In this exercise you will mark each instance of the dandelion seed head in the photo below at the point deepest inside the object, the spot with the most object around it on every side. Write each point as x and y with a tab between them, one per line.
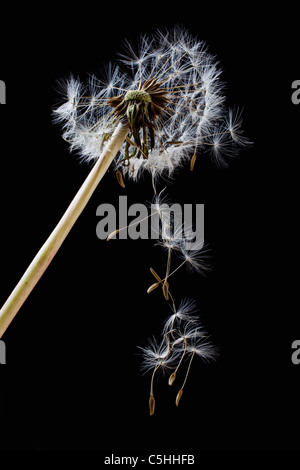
171	95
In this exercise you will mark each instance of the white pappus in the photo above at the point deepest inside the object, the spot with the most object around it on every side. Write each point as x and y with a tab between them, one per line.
172	97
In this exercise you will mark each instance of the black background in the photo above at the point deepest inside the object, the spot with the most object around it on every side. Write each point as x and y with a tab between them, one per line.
72	379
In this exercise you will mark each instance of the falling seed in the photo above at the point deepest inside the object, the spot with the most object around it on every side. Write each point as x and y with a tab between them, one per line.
179	395
165	289
153	287
112	234
120	178
193	161
155	275
172	378
152	404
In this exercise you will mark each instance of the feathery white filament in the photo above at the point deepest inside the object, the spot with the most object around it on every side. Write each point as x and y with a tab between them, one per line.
194	118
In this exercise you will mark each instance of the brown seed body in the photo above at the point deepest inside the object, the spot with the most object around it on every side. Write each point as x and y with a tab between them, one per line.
179	395
152	404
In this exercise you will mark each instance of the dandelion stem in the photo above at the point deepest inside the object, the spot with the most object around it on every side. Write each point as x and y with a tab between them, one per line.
152	378
168	264
173	302
181	359
160	281
188	370
55	240
130	225
166	284
175	270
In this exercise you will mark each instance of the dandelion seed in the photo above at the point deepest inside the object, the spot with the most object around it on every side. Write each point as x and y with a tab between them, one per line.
196	259
161	204
172	236
157	356
184	382
132	224
202	347
234	124
196	345
189	330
